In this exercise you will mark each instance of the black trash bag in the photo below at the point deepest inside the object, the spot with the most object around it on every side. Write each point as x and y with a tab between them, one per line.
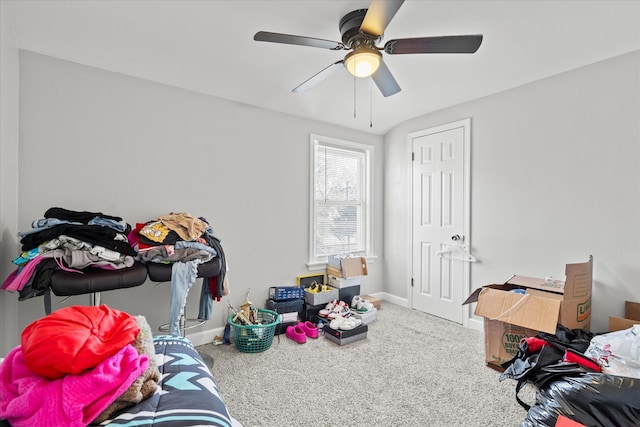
564	339
592	399
546	364
525	364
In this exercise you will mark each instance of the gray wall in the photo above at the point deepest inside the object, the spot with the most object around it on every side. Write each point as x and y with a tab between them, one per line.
100	141
555	177
9	330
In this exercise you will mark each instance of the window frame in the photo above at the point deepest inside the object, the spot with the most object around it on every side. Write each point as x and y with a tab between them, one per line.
319	262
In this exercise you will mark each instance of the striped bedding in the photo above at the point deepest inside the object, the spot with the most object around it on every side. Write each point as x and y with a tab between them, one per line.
187	394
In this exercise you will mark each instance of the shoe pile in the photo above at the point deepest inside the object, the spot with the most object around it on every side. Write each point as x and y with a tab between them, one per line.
339	313
303	330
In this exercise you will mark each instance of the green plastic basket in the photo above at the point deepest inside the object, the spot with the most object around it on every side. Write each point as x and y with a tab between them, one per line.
256	338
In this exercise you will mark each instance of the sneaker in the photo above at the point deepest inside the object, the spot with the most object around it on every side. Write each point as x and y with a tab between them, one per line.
328	308
336	322
342	309
365	306
345	323
355	301
350	323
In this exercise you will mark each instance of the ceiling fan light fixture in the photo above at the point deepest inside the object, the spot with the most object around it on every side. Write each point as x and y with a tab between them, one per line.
363	62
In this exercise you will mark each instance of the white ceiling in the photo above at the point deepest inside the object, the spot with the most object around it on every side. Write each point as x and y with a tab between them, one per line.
208	47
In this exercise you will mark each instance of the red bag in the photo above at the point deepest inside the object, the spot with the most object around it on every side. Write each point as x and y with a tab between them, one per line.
73	339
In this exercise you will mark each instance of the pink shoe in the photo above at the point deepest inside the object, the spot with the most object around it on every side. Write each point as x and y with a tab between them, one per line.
297	334
309	329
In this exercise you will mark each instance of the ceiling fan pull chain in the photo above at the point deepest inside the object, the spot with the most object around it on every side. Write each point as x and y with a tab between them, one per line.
354	97
370	109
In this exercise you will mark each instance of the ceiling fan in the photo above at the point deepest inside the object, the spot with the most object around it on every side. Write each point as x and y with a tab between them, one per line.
361	30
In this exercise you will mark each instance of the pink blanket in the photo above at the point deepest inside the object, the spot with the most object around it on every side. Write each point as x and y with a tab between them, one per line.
27	399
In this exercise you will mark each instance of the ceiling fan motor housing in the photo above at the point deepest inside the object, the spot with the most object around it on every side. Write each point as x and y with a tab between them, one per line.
350	28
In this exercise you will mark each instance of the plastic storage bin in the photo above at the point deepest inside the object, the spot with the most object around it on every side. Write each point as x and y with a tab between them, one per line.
255	338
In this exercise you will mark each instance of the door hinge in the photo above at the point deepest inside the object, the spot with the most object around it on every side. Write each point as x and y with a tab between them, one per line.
413	156
412	282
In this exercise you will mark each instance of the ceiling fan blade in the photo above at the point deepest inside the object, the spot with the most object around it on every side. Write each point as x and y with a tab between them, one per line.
442	44
378	16
265	36
385	81
317	78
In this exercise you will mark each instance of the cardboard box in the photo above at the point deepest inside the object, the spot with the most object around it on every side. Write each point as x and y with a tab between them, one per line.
341	337
308	279
501	340
285	306
283	293
540	308
367	317
289	317
319	298
631	317
281	328
347	294
373	300
310	312
341	282
335	272
349	266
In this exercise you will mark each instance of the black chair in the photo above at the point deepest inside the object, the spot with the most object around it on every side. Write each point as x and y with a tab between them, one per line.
93	281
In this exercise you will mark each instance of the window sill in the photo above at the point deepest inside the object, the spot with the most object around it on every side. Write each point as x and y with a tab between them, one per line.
322	265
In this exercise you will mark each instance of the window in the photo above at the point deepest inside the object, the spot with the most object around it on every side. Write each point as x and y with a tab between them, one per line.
340	198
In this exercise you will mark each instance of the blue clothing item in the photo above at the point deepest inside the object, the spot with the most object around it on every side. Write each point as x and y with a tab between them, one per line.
44	224
27	256
206	301
183	276
120	226
181	244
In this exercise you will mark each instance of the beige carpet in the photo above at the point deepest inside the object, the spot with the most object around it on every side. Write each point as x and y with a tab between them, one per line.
413	369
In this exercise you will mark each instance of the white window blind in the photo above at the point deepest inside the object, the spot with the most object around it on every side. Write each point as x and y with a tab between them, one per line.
340	205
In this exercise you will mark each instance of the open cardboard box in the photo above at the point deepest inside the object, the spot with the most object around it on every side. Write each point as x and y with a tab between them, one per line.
346	267
631	317
510	315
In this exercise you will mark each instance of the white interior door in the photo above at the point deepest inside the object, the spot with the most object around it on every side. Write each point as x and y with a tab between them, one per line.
440	169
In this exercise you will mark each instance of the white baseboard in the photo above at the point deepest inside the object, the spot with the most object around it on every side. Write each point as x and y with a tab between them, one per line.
205	337
403	302
476	324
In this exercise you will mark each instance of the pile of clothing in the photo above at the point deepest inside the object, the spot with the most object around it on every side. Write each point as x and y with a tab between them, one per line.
68	240
78	366
185	242
74	240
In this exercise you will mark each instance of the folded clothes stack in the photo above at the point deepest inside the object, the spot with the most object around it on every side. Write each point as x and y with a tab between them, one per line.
68	240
